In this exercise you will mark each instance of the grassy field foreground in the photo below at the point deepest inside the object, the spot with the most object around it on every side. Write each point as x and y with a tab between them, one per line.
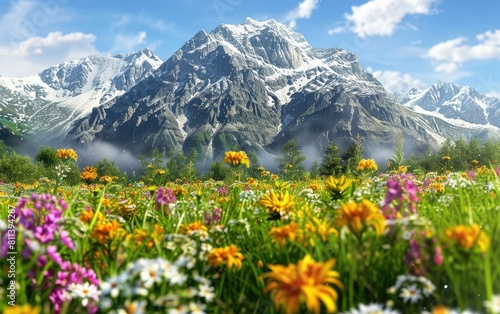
371	242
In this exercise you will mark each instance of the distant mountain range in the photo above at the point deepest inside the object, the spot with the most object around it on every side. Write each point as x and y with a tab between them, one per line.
255	85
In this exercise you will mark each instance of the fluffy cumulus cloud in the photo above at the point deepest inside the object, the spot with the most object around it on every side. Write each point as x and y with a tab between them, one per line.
381	17
303	11
449	55
23	51
395	81
37	53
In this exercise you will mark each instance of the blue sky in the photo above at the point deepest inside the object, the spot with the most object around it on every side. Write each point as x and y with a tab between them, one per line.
405	43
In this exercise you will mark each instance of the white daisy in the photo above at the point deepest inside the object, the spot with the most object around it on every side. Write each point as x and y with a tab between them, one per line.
85	291
372	308
411	293
151	274
207	292
429	287
112	285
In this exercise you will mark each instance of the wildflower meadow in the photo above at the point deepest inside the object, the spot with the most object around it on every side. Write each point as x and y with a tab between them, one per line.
366	241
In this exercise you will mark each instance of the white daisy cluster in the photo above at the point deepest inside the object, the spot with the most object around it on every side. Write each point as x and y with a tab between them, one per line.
157	285
412	288
193	246
372	308
455	180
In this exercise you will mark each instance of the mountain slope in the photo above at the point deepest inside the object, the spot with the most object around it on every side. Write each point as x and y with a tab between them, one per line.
455	103
43	105
255	85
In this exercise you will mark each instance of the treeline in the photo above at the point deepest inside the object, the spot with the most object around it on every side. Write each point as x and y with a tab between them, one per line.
159	167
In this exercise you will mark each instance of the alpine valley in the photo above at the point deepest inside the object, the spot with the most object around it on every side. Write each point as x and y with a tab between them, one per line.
254	86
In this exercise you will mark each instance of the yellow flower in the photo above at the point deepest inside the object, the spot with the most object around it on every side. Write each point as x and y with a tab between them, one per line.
281	202
106	179
337	186
160	171
284	234
307	281
229	255
359	216
367	164
237	158
194	226
88	174
140	236
320	228
66	154
402	169
446	158
468	237
106	231
86	216
21	309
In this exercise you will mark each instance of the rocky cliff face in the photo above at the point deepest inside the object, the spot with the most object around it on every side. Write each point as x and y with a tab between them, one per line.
254	85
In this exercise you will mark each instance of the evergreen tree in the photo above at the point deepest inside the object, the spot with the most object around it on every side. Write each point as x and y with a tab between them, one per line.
109	168
351	157
290	164
47	156
331	163
218	171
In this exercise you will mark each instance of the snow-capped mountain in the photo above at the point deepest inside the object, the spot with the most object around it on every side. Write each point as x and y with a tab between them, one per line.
254	85
455	103
257	85
45	104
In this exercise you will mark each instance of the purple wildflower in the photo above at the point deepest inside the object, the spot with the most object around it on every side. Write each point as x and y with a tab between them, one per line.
164	197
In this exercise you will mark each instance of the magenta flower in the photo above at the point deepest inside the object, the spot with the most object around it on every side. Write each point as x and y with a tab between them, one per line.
164	198
401	196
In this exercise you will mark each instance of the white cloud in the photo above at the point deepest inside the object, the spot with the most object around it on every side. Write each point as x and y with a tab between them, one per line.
127	43
449	55
447	67
303	11
336	30
380	17
38	53
395	81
